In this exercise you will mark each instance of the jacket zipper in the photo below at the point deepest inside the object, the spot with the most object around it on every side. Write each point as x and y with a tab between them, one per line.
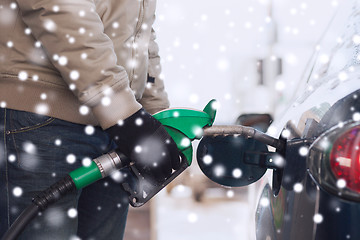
137	32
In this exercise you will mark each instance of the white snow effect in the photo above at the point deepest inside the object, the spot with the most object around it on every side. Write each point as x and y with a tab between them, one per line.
204	17
82	13
82	30
72	86
291	59
176	42
50	25
42	108
12	158
115	25
138	149
223	64
3	104
27	31
356	116
84	56
56	57
106	101
227	96
132	63
325	144
86	162
57	142
222	48
207	159
72	40
43	96
278	161
318	218
84	110
298	187
17	191
176	114
35	78
334	3
139	121
13	5
37	44
324	58
28	159
231	24
144	26
29	148
117	176
71	158
247	25
63	60
185	142
303	151
356	39
340	124
280	85
99	208
120	122
72	213
9	44
196	46
342	76
56	8
198	131
23	75
74	238
192	217
54	217
219	170
237	173
285	134
74	75
264	202
341	183
194	98
230	193
272	130
89	130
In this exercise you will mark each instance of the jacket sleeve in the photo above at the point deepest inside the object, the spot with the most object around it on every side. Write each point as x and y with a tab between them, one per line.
155	97
99	82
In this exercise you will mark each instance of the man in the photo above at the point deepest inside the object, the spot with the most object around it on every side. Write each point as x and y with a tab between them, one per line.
68	71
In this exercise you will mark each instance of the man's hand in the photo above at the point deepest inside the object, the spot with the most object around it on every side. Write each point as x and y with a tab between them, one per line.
145	141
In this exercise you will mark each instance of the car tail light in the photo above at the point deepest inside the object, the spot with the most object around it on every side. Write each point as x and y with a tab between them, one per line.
334	160
345	158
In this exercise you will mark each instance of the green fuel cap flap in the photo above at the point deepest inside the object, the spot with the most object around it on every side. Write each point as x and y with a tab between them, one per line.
184	125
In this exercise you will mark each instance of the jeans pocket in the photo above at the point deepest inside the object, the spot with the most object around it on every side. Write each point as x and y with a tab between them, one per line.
21	121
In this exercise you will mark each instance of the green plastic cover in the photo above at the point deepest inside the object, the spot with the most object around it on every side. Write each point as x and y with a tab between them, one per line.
184	125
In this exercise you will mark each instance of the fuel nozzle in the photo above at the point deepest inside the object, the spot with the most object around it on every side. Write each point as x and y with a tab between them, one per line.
183	125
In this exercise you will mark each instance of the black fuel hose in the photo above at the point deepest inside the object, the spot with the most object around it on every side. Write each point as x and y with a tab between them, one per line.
25	217
40	203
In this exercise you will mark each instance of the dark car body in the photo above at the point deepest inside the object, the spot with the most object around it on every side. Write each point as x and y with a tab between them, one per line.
302	204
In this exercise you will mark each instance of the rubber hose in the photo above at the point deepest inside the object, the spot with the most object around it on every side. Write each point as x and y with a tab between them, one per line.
40	203
25	217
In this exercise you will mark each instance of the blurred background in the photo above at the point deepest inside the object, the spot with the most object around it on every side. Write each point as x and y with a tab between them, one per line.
250	56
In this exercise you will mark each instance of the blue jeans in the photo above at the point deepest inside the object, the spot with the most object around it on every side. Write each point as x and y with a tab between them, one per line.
35	152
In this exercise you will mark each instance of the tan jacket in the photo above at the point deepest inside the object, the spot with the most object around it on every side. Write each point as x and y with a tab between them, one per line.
84	61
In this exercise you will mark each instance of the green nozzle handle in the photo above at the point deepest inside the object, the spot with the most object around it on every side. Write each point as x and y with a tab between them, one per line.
183	125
